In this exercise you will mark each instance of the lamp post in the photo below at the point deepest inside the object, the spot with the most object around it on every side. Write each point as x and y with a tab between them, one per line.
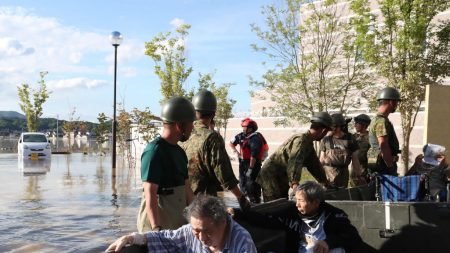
57	132
115	38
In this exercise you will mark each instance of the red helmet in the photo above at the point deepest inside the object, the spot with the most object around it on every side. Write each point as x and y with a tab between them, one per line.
247	122
245	119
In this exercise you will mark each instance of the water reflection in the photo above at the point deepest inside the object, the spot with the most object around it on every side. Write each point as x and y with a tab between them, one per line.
33	171
34	167
66	204
67	176
100	175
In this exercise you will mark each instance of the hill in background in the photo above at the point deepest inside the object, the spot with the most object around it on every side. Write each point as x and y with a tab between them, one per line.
11	115
14	122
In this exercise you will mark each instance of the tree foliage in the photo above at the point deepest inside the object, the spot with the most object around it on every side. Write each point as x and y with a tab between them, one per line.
317	66
168	53
145	123
224	103
407	49
31	102
70	126
101	130
123	128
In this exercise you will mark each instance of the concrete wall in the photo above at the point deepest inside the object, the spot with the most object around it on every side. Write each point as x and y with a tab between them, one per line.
437	117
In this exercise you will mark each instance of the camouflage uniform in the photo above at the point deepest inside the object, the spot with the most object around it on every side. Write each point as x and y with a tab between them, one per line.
209	166
381	126
285	165
364	145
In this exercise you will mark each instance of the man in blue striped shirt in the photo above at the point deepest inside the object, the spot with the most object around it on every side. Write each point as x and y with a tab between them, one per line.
210	229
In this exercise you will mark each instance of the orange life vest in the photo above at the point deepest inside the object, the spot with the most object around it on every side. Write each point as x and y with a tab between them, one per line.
246	152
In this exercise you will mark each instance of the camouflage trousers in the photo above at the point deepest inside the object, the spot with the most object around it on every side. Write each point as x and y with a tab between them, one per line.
337	176
274	181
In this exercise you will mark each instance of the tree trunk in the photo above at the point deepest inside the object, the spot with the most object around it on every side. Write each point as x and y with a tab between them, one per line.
406	134
225	132
405	154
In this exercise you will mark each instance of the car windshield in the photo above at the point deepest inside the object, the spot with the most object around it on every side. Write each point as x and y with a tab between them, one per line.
34	138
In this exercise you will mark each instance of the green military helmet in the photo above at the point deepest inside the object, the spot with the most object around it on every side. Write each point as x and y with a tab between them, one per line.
205	100
338	120
323	118
178	109
362	118
389	93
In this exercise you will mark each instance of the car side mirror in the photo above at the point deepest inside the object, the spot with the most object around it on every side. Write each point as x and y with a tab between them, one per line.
49	141
20	141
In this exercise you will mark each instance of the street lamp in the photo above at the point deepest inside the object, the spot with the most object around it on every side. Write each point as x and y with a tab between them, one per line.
115	38
57	132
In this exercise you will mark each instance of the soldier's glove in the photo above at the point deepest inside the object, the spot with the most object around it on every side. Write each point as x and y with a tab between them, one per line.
244	203
248	173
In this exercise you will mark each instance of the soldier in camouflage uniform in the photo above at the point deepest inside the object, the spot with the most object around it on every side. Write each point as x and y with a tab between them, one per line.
362	121
283	169
209	166
384	150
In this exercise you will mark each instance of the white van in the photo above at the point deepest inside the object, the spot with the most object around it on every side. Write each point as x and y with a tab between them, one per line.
34	146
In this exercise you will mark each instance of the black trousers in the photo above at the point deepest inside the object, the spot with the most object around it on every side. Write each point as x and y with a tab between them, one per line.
248	185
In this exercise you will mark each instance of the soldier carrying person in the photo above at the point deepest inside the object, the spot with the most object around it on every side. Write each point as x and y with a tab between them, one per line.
283	169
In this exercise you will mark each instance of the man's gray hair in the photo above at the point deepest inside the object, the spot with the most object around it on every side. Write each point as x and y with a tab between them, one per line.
312	190
206	206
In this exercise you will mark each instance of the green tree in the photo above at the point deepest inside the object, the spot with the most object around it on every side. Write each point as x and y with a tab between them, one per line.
70	126
101	131
123	129
145	123
168	53
31	104
407	49
224	103
317	66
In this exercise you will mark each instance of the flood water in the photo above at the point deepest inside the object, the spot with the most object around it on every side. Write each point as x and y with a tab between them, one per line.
67	204
64	205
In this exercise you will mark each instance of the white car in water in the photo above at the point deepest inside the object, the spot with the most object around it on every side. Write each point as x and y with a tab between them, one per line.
34	146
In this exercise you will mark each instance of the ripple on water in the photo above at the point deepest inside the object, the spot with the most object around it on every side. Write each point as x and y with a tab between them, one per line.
70	208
